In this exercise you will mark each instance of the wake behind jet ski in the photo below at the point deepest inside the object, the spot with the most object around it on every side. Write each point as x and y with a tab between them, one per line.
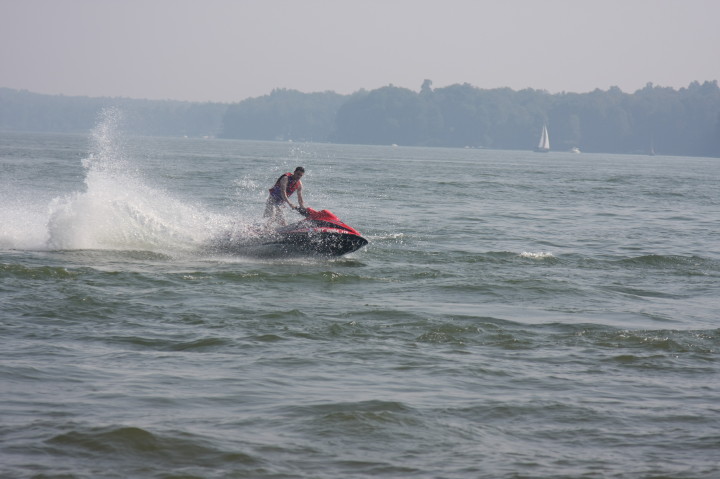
320	233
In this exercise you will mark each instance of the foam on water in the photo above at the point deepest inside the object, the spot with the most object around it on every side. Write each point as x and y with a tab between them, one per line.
536	255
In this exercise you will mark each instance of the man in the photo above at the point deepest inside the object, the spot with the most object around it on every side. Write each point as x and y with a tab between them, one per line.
284	187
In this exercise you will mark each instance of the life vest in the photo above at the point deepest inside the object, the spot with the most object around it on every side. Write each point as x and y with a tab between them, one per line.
292	185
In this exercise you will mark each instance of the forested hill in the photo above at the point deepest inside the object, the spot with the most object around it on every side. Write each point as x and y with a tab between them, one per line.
672	122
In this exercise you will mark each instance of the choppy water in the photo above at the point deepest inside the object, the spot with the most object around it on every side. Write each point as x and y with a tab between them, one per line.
515	314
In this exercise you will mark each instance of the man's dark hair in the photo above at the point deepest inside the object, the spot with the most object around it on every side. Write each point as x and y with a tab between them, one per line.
300	168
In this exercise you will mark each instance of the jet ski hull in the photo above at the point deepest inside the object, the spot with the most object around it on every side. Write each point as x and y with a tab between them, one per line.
321	234
293	244
317	243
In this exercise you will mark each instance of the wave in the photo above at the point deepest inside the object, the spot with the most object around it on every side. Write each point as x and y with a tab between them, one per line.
162	344
503	334
671	261
40	272
637	343
133	447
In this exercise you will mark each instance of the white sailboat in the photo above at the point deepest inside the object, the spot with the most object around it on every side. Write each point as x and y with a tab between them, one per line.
544	144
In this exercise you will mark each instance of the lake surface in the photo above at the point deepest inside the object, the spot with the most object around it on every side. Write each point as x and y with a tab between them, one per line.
515	315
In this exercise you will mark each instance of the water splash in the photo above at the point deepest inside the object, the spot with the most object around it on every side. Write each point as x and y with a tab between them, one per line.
118	210
108	151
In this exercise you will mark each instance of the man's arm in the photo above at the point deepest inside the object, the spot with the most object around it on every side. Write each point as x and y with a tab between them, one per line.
299	193
283	190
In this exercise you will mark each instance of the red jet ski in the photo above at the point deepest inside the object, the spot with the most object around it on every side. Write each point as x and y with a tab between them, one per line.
320	233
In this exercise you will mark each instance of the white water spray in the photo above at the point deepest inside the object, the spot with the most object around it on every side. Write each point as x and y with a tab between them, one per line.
119	210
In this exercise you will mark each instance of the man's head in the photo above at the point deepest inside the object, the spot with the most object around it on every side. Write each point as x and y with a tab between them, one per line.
299	172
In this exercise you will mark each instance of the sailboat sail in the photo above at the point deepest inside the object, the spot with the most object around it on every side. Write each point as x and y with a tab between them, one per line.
544	144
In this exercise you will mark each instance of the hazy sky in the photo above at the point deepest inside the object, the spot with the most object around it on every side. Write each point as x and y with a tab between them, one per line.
228	50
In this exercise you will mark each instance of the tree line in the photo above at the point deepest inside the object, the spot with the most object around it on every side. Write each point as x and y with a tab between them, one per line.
678	122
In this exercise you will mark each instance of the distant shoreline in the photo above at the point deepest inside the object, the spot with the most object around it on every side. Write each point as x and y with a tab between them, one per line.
683	122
